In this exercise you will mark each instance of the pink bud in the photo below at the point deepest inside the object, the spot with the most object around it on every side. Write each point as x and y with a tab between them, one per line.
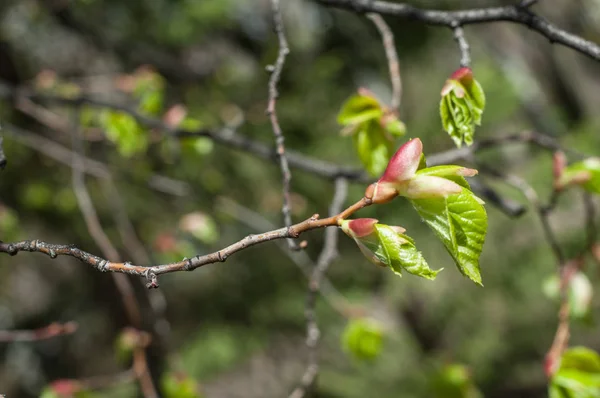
464	76
405	162
65	387
360	227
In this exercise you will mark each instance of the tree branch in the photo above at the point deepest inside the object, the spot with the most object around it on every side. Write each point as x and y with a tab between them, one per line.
151	272
272	113
390	52
512	13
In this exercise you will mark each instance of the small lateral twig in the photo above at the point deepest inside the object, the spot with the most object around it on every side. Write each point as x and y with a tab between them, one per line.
272	113
392	56
463	45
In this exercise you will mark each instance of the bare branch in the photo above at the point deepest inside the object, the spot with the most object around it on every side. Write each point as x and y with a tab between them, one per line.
272	112
392	57
151	272
47	332
328	254
512	13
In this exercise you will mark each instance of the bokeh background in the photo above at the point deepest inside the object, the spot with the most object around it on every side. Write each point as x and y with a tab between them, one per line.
238	328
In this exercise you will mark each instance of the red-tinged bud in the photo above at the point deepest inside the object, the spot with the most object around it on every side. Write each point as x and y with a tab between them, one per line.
464	78
381	192
360	227
405	162
424	186
550	365
65	387
463	75
559	162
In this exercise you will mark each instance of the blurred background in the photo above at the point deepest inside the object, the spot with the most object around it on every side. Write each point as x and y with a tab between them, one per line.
238	329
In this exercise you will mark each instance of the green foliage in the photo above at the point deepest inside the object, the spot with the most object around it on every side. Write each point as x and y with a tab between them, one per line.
149	90
454	381
461	108
373	127
578	375
179	385
122	129
459	220
580	294
585	173
363	339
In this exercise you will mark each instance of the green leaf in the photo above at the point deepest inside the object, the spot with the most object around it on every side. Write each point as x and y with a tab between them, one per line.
454	381
461	110
363	338
358	109
179	385
460	221
578	375
393	126
448	172
589	167
373	147
122	129
398	251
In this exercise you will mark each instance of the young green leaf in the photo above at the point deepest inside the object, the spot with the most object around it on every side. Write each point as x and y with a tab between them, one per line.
122	129
179	385
388	246
585	173
363	338
578	374
358	109
460	221
373	147
454	381
461	106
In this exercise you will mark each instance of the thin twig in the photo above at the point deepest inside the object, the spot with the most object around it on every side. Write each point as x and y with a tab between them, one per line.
47	332
151	272
328	254
463	45
272	112
510	13
392	57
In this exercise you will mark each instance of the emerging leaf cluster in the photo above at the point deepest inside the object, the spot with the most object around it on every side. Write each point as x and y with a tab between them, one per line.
461	108
373	127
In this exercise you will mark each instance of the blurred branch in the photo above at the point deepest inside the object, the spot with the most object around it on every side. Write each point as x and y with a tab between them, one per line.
123	284
511	13
257	221
2	156
151	273
328	254
47	332
272	113
390	52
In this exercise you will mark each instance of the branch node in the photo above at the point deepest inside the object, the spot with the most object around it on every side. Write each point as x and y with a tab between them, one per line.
103	266
152	280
